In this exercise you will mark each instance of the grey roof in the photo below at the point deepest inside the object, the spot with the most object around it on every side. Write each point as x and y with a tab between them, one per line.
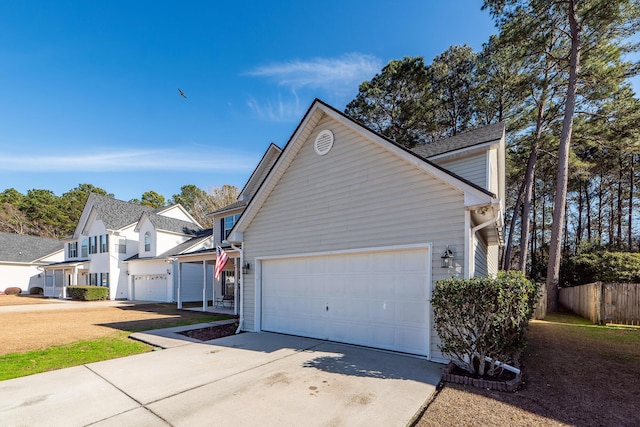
26	248
199	237
116	214
234	205
174	225
468	139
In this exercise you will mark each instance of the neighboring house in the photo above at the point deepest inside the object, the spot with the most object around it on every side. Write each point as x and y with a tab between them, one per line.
346	234
222	292
126	247
22	257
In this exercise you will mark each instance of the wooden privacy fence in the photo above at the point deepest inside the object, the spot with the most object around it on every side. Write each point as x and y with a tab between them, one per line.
604	303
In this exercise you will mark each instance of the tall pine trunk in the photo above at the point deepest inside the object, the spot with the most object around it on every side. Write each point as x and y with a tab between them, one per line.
560	199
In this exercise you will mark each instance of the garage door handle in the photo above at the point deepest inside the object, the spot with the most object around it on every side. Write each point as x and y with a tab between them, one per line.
327	308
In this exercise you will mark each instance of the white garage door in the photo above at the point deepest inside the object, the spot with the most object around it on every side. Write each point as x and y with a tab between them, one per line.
378	299
152	287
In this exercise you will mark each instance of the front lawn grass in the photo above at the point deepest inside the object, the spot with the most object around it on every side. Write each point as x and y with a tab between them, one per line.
34	362
112	346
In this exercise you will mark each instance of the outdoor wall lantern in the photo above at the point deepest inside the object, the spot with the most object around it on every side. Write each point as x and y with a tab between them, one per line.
128	273
246	267
447	258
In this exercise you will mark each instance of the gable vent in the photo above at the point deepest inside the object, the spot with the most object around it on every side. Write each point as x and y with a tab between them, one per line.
324	142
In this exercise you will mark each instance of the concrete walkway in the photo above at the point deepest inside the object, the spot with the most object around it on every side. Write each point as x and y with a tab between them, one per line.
247	379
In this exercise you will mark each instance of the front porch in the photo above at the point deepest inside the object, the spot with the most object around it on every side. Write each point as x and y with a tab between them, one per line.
200	291
226	311
56	277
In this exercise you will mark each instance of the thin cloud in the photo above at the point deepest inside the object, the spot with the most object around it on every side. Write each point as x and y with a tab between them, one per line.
334	74
278	111
127	160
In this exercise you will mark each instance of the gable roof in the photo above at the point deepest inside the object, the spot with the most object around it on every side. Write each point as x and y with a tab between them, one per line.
26	248
486	134
313	115
173	225
116	214
232	206
266	162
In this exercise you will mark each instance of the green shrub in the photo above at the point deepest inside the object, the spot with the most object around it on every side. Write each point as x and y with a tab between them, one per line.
36	290
603	266
483	319
88	293
13	290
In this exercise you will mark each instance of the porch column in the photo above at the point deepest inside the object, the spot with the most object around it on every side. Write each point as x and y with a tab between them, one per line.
236	275
204	285
64	285
179	285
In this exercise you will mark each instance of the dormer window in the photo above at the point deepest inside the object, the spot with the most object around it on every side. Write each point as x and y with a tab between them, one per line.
147	242
227	224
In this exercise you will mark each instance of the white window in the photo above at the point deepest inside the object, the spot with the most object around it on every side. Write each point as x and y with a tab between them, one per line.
104	243
93	244
121	246
227	224
147	242
85	248
72	249
228	282
104	279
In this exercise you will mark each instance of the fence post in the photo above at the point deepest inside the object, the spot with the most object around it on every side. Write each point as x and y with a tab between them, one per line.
600	304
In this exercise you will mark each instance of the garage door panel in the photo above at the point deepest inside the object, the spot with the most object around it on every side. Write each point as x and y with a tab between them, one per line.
151	288
379	299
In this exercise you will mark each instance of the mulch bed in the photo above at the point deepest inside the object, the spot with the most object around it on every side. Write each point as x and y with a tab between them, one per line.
211	332
504	381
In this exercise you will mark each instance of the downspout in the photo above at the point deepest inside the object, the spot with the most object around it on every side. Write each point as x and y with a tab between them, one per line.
474	230
241	307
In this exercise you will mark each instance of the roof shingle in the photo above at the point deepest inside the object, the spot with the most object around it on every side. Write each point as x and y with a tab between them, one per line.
26	248
489	133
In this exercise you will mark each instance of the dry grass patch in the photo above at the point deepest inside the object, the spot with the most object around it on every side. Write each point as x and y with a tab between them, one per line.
37	330
575	374
7	300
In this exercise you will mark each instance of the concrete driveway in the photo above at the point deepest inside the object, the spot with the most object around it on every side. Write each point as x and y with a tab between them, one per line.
247	379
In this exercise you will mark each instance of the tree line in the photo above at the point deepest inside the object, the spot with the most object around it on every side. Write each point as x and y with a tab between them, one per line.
556	73
42	213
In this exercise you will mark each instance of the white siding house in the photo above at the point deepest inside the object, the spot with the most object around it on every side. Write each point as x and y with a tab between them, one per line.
127	248
344	236
22	257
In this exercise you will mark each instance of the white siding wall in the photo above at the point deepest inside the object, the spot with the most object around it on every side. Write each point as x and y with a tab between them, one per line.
166	241
22	276
472	168
177	213
493	171
493	259
359	195
480	257
147	227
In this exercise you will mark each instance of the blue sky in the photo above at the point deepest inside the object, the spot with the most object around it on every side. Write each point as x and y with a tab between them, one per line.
90	89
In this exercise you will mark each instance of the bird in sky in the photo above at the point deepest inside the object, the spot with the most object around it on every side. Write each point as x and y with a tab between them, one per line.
182	93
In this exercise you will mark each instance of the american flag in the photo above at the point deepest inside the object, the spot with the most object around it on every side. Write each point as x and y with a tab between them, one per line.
221	261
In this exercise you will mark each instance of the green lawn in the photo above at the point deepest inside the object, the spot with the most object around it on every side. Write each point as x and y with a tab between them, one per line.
116	345
33	362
